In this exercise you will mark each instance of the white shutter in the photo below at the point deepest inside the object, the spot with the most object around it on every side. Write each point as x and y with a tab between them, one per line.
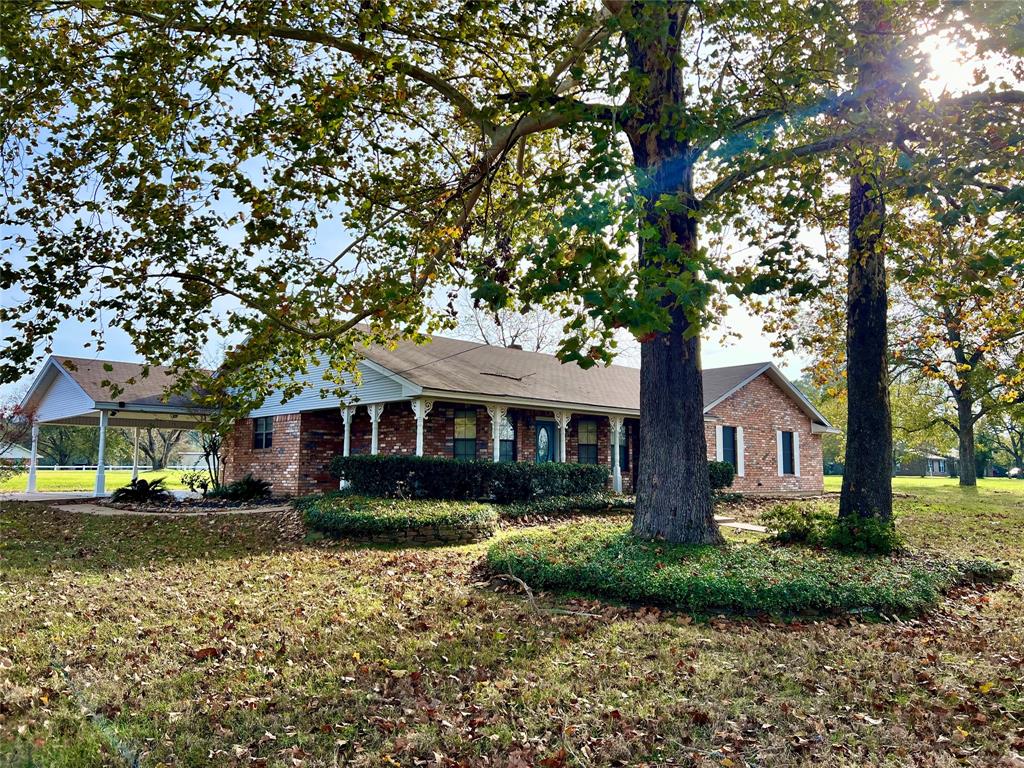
719	448
778	445
796	453
739	451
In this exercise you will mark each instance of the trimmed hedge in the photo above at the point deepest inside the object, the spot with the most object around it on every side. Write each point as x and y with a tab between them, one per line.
564	506
605	559
721	474
425	477
345	515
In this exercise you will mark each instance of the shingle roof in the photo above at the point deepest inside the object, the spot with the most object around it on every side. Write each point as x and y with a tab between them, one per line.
138	389
456	365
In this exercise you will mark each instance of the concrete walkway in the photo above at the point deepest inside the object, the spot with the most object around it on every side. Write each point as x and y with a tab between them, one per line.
104	511
731	522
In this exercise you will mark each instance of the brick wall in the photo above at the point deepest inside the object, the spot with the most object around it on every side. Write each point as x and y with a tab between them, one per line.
762	408
278	464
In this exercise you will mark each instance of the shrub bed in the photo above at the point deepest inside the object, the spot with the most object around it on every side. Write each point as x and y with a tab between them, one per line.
604	559
397	521
567	506
424	477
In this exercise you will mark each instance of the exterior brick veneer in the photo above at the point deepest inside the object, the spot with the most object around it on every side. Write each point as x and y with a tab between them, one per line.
304	444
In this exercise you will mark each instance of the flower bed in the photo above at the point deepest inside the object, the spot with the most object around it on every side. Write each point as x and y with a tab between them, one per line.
398	521
604	559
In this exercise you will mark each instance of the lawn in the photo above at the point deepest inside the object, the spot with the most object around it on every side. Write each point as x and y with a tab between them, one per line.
84	480
231	641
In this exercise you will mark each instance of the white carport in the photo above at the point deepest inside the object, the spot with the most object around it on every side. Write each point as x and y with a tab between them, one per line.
101	393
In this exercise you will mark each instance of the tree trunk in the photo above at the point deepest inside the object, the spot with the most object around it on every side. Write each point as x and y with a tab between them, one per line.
965	440
867	476
673	489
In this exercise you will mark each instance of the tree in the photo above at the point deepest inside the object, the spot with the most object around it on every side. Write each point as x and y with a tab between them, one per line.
959	320
65	445
536	330
522	157
158	445
1008	427
15	430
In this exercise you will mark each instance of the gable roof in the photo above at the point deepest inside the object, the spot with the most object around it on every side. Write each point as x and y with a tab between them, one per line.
139	386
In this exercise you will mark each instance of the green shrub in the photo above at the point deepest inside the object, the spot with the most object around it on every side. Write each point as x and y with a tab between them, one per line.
424	477
142	491
553	506
721	474
605	559
349	515
248	488
815	525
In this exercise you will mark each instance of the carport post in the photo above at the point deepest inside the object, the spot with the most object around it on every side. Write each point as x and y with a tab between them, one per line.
33	459
135	457
101	480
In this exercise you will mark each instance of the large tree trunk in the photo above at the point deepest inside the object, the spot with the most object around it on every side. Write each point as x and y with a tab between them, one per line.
673	490
965	440
867	476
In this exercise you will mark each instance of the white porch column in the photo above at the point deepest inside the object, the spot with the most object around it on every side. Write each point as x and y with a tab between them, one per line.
562	421
420	408
616	426
33	459
135	456
347	412
497	414
101	479
375	410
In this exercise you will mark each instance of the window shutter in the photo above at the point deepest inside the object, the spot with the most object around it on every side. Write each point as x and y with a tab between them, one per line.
739	451
796	453
719	448
778	445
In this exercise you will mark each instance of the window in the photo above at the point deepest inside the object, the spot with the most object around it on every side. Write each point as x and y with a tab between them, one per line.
465	433
729	447
506	440
263	432
586	440
787	453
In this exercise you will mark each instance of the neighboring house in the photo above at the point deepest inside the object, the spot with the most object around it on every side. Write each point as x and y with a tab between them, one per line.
15	455
924	463
442	398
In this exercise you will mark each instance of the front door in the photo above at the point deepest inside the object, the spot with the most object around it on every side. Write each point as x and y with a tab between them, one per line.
545	441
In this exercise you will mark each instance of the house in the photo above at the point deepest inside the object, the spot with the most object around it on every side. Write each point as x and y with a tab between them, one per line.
464	400
920	462
443	398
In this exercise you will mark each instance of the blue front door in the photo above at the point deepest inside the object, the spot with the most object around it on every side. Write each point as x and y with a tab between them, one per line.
545	441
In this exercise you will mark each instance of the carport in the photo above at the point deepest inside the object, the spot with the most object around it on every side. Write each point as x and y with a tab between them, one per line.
100	393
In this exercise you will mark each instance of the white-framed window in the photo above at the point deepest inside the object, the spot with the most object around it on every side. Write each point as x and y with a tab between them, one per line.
729	447
464	446
789	452
586	440
506	439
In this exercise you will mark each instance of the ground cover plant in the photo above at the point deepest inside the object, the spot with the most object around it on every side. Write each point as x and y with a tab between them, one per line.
243	646
604	559
351	515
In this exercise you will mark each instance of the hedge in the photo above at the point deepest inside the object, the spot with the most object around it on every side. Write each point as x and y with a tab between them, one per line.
424	477
605	559
346	515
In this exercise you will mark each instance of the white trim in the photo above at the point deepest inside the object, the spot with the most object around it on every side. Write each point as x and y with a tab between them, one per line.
375	410
740	450
420	409
615	424
796	453
778	448
562	419
408	387
719	443
135	456
787	386
497	414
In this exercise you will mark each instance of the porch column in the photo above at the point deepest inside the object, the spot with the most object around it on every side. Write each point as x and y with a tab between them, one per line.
420	408
33	459
616	427
101	479
375	410
497	414
135	456
347	412
562	421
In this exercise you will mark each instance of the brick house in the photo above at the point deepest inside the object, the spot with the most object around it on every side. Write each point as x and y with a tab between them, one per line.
444	398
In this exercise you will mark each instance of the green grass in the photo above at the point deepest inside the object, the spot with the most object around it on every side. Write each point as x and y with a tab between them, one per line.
227	640
69	480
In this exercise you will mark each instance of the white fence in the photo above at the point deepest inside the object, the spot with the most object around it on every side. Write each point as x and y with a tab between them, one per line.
109	467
